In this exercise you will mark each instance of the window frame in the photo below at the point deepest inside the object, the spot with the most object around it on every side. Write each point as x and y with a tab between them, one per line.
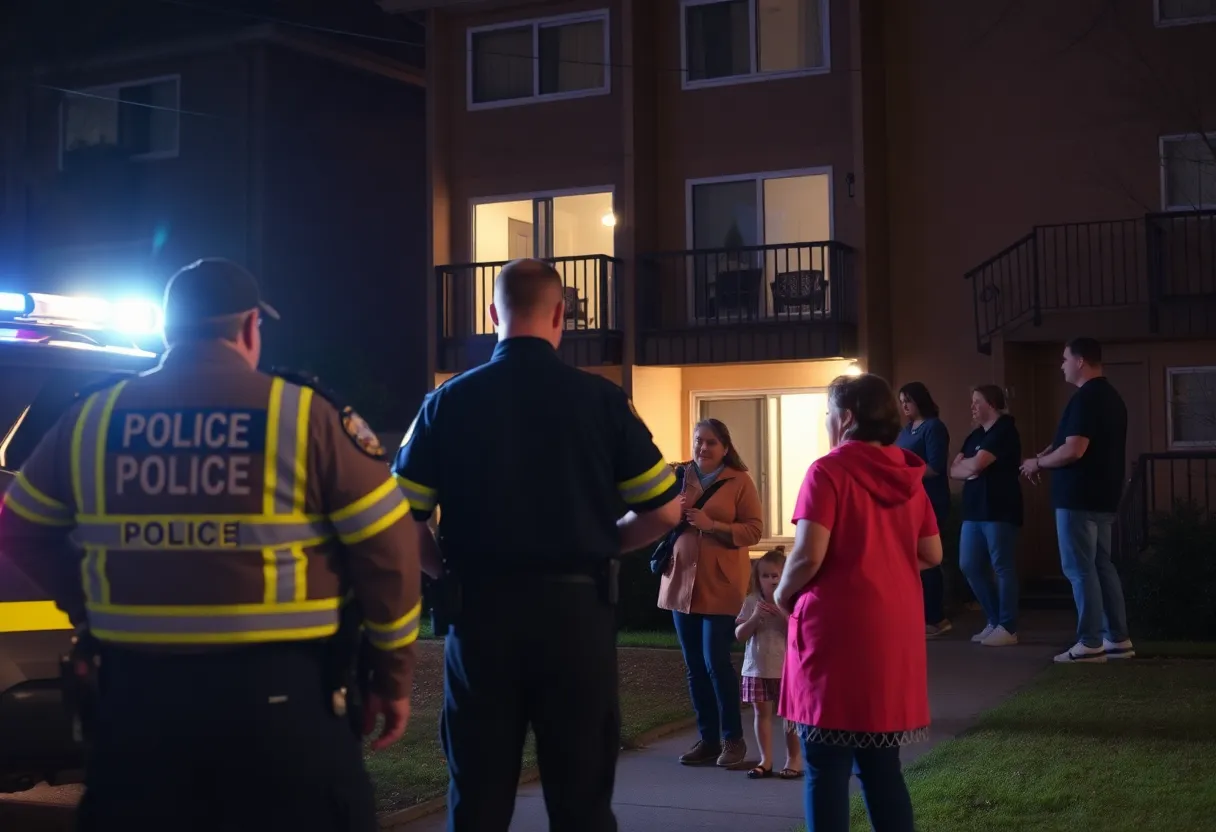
754	75
111	91
1165	23
1161	143
536	24
770	489
533	196
1172	442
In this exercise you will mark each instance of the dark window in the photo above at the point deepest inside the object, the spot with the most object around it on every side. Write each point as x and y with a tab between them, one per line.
133	120
538	59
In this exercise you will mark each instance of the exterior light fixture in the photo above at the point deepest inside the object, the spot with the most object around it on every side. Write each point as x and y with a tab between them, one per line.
854	369
608	219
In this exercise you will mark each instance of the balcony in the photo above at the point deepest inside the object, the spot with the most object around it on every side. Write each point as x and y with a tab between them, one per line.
466	332
1154	275
795	301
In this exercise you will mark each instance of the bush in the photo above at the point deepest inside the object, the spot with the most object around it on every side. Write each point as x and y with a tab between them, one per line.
639	595
1171	585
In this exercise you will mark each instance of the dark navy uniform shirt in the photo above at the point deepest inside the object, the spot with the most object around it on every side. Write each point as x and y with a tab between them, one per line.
531	462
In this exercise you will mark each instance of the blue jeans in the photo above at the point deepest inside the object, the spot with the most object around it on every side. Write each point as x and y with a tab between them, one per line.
1085	541
826	803
986	549
705	641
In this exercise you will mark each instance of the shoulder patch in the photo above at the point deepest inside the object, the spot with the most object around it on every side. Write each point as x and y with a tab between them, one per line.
353	425
361	433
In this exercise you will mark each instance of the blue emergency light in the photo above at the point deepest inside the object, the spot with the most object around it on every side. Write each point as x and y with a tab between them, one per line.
131	317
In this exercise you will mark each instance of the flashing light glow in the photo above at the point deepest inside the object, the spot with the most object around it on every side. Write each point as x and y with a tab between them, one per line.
130	317
12	302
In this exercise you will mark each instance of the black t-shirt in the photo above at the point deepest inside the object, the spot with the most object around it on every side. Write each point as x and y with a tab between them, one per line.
995	496
1095	481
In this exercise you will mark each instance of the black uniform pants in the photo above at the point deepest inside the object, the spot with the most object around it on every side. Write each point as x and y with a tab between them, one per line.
541	652
222	742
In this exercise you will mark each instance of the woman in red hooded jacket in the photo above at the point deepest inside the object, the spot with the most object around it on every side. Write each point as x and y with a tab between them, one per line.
855	683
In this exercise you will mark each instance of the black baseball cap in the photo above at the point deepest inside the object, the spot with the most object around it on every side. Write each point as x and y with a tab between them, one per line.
210	288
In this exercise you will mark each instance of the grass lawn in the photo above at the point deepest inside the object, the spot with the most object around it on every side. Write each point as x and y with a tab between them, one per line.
653	693
1121	746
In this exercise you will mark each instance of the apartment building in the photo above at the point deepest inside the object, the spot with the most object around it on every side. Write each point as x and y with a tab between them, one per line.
748	198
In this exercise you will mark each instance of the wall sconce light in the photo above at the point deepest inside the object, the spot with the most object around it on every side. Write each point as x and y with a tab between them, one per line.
850	180
854	369
608	219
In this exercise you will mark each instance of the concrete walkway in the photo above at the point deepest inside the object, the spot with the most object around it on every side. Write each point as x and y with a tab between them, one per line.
654	793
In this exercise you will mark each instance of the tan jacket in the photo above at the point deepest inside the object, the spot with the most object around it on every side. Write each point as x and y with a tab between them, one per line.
708	575
215	505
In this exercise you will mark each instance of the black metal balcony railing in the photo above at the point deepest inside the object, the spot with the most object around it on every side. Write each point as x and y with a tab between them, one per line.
1134	262
775	301
591	285
1161	482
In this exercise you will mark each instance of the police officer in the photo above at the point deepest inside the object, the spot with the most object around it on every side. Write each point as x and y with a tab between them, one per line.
224	516
533	464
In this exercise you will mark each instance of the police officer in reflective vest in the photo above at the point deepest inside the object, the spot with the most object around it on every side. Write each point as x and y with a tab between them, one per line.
205	523
543	475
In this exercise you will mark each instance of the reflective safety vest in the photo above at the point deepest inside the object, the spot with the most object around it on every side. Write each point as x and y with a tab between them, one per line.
218	505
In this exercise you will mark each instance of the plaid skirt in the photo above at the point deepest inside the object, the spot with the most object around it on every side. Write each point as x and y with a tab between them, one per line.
756	689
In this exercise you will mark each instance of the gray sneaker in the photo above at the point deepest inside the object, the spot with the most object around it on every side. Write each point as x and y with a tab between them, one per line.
700	754
733	752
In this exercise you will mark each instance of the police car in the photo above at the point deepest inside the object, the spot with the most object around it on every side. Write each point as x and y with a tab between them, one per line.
51	348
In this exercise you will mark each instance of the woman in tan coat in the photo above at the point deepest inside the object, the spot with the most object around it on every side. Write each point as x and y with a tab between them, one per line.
705	583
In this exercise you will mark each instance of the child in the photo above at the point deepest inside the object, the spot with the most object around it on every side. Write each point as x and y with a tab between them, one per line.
763	627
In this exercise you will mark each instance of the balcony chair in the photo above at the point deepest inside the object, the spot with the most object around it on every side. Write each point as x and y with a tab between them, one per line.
793	290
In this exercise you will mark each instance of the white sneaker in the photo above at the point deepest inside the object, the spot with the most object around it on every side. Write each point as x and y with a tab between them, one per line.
1119	649
983	634
1000	637
1080	653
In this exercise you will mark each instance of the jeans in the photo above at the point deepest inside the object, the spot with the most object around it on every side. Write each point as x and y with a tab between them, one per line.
826	803
933	586
705	641
1085	544
987	548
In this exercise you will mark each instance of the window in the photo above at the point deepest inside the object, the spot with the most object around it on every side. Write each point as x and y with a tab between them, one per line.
1191	402
1188	172
727	41
765	230
578	230
778	435
539	61
138	120
1183	12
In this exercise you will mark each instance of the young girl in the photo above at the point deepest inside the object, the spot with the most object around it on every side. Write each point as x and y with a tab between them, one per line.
763	627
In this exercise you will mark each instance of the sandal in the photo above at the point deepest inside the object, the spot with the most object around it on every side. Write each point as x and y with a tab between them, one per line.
789	774
759	773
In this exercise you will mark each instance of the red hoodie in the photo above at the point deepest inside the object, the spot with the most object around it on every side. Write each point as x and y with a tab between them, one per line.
856	654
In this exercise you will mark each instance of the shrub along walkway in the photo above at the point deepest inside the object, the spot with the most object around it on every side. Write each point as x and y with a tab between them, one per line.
654	793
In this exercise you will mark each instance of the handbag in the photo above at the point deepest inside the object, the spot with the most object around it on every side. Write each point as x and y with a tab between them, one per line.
660	558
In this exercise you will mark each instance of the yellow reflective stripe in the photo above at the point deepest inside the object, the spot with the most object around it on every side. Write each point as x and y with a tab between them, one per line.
99	473
366	501
649	474
77	442
257	519
32	616
649	485
398	634
304	410
32	516
659	487
32	490
373	529
420	496
271	464
188	610
247	637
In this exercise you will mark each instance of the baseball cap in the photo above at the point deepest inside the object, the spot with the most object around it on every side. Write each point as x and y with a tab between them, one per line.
210	288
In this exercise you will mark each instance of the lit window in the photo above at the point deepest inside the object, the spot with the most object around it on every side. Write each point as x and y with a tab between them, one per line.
731	40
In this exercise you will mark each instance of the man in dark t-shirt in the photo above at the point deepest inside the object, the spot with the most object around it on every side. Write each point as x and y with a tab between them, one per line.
1087	459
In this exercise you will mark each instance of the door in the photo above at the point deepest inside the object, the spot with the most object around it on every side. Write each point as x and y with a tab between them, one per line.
519	239
745	419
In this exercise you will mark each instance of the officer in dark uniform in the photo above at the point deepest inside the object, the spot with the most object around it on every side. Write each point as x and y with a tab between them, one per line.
214	529
532	463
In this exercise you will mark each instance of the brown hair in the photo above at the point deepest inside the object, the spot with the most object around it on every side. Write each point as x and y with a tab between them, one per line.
773	556
868	397
992	394
732	458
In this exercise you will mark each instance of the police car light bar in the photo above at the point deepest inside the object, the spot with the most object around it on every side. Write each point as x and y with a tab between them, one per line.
130	317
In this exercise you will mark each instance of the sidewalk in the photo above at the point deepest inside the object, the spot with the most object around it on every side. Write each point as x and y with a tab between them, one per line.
654	793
